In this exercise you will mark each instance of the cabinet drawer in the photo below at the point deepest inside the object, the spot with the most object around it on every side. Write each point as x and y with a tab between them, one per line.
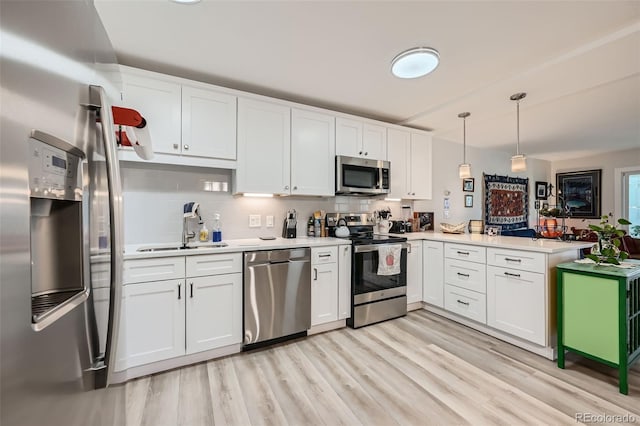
214	264
465	252
469	275
524	260
466	303
156	269
324	255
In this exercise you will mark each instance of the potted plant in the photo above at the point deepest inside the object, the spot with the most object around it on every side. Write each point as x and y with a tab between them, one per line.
607	249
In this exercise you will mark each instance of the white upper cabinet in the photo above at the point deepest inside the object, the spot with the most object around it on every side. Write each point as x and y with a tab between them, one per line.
398	146
420	178
194	123
159	102
312	153
410	154
356	138
264	143
208	123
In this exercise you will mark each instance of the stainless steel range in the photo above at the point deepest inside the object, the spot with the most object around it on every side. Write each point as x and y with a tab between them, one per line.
378	292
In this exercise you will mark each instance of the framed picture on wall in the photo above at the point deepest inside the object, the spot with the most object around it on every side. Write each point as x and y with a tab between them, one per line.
468	200
579	192
541	190
467	184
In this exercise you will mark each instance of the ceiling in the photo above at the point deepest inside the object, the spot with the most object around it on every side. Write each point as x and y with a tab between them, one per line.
579	62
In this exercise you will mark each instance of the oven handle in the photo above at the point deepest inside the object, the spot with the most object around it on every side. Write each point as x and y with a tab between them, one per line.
374	247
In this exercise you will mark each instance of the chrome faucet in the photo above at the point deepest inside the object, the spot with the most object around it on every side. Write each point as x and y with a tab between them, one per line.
191	211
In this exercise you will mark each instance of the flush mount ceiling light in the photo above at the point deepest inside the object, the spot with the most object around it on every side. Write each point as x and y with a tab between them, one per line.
518	161
464	169
416	62
186	1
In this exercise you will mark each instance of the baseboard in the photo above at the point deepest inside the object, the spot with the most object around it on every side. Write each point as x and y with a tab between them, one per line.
545	351
414	306
168	364
321	328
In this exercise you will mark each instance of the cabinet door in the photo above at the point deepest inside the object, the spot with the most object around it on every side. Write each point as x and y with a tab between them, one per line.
208	123
349	137
155	321
374	142
313	153
515	303
344	282
420	166
324	293
433	272
398	155
159	102
414	272
214	312
264	142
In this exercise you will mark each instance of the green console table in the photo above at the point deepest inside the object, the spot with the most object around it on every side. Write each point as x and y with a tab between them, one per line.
599	315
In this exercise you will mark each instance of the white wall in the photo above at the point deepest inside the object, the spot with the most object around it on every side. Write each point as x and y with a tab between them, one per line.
448	155
608	162
154	196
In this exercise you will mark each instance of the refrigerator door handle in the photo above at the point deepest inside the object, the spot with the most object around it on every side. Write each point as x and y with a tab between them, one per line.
99	101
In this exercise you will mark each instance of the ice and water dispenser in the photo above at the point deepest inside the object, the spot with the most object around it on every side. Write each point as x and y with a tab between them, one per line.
58	219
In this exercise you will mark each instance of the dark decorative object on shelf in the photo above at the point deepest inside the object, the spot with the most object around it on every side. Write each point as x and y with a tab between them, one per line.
506	201
581	192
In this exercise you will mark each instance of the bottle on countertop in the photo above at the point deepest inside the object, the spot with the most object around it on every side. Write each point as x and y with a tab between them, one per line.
217	230
204	232
310	227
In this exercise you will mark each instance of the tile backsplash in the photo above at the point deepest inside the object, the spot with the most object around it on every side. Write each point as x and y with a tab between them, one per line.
155	194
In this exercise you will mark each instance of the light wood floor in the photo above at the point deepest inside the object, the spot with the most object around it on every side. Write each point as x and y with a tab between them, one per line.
418	370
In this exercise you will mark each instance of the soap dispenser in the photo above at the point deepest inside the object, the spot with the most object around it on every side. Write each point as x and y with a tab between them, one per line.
204	232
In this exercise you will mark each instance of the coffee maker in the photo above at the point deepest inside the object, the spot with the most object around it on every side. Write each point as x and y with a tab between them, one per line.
290	224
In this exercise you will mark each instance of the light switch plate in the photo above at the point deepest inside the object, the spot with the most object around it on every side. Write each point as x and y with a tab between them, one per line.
254	221
270	221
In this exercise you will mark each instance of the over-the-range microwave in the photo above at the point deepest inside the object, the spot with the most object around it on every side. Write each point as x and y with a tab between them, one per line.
361	176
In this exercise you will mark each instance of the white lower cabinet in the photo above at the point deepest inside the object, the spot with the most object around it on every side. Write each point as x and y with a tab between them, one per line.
433	273
414	272
155	321
324	285
175	317
467	303
214	312
516	302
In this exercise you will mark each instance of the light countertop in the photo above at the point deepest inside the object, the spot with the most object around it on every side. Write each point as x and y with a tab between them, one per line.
233	246
516	243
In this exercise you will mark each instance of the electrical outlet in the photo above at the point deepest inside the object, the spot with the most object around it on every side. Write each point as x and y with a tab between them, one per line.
254	221
270	221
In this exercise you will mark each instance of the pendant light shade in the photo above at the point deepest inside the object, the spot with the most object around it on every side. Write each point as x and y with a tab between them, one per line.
464	169
518	161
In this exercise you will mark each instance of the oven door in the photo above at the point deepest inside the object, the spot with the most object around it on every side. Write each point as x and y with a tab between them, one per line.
367	285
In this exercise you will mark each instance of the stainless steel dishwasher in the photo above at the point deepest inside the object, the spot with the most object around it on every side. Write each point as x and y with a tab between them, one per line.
277	295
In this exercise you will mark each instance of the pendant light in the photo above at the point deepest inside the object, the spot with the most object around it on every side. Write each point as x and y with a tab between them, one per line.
464	169
518	161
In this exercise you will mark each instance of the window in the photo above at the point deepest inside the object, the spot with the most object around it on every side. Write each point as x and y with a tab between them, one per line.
631	200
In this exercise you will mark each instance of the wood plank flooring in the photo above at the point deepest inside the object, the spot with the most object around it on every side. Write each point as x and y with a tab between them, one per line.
418	370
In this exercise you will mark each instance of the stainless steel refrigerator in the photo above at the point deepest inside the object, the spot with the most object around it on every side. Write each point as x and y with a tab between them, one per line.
60	217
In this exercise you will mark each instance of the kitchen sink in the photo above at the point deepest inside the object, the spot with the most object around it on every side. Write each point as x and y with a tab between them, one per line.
174	247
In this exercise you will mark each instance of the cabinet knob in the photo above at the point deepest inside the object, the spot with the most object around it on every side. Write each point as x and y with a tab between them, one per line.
286	187
413	193
175	146
186	147
295	188
360	153
366	153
